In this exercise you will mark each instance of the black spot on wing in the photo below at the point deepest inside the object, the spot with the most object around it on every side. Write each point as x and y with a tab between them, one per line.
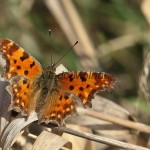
66	97
15	61
60	97
24	57
18	67
13	48
24	81
87	86
26	72
81	88
71	87
83	76
32	65
71	77
28	85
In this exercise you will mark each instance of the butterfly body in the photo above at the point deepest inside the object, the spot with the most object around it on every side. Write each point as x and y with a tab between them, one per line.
47	83
52	96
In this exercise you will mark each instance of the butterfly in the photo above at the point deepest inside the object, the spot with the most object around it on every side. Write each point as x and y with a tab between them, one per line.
52	96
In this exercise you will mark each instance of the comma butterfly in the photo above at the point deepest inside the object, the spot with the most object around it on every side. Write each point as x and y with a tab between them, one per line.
53	97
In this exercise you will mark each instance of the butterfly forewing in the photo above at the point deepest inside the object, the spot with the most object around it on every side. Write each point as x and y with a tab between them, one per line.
21	70
85	84
18	61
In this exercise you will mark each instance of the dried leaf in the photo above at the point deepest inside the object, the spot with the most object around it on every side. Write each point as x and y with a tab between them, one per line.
47	140
14	129
80	143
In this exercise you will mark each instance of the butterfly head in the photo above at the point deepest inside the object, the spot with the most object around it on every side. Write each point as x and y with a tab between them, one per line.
52	67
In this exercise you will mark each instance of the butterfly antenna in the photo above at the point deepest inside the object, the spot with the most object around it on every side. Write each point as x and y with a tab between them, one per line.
67	52
49	32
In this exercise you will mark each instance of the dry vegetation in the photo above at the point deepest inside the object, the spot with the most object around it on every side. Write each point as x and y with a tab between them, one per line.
113	35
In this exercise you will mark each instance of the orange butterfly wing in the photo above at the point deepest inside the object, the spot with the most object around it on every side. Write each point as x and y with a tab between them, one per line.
57	108
21	70
18	61
85	84
20	89
75	88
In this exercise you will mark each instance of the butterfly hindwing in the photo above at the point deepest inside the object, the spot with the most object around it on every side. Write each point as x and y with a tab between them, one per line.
58	107
20	89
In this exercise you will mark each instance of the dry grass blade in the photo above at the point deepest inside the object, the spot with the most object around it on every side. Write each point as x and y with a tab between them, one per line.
10	132
47	140
4	104
76	141
26	6
74	30
103	140
129	124
78	27
103	106
144	86
118	44
13	130
107	106
145	9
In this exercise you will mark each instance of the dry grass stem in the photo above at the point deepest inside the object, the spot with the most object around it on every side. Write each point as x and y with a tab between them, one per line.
144	87
125	123
103	140
118	44
145	5
47	140
73	27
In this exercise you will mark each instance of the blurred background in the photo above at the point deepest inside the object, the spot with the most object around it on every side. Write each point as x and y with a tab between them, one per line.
113	36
